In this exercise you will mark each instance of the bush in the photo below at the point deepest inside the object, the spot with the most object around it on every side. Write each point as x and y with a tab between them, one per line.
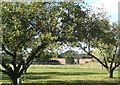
69	60
53	62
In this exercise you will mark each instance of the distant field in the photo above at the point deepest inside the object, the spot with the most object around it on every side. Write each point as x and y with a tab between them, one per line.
65	75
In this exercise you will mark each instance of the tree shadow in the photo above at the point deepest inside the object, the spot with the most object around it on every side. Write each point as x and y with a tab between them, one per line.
36	77
73	82
5	77
39	75
65	73
45	75
82	82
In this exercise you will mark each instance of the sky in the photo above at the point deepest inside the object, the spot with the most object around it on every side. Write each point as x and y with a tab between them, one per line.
110	6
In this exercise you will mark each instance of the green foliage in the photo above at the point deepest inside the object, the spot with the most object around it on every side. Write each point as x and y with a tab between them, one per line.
106	49
29	28
5	58
69	60
44	57
69	53
69	57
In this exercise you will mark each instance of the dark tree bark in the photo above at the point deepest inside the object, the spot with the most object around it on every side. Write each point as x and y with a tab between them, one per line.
16	72
77	60
13	76
110	74
14	81
27	68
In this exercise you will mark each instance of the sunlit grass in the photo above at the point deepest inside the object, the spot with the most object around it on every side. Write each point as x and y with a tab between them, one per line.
90	72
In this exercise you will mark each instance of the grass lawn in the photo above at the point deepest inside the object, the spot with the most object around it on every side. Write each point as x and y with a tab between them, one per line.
65	75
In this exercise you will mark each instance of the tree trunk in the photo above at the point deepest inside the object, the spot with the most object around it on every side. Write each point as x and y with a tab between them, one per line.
14	81
77	59
110	74
25	71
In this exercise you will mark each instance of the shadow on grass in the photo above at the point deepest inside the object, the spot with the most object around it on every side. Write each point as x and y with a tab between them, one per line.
65	73
72	82
75	82
5	77
37	77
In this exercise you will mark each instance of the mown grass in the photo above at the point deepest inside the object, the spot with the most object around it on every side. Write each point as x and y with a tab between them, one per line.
65	75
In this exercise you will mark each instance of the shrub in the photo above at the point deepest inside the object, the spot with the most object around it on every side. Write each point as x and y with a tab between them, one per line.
53	62
69	60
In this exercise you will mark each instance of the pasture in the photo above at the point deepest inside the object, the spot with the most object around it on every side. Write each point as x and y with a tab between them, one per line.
65	75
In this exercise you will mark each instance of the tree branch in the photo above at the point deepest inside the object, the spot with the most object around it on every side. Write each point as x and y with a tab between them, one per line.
116	65
95	58
5	72
35	51
113	58
21	71
7	67
9	53
104	58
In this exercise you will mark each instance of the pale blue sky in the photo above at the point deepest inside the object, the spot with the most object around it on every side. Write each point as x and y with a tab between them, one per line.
111	6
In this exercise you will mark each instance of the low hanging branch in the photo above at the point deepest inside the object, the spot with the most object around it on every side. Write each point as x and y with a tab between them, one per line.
94	57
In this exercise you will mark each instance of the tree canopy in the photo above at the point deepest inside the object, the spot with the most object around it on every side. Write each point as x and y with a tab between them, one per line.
29	28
